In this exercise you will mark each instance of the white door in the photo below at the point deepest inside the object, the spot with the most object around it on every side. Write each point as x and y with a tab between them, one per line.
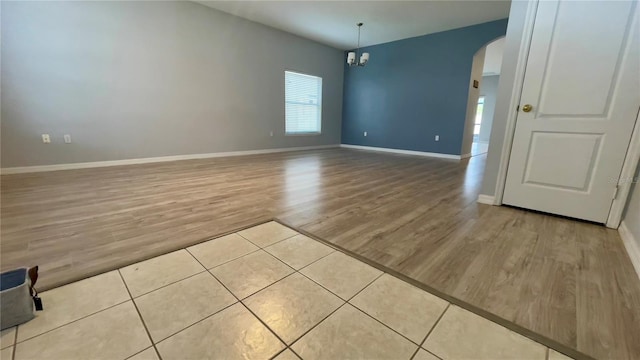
582	88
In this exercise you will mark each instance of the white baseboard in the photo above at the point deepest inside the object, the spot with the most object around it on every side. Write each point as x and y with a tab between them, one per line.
95	164
403	152
632	245
486	199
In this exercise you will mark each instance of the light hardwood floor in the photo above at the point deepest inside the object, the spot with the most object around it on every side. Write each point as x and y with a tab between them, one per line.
568	283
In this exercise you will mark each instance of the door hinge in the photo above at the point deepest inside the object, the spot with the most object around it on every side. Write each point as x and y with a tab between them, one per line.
615	192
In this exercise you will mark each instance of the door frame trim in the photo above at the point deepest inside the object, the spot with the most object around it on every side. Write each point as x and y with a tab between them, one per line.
516	93
625	179
632	156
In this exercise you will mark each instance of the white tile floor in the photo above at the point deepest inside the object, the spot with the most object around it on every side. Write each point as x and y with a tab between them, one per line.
262	293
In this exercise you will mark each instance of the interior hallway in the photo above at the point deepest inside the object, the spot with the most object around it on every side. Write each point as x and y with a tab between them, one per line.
571	282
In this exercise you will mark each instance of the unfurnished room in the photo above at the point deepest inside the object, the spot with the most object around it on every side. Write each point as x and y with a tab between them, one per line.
334	180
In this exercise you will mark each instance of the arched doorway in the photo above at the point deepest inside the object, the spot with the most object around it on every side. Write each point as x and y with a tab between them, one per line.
483	86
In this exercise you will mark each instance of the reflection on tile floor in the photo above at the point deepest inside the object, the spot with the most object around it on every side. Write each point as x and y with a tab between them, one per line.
263	293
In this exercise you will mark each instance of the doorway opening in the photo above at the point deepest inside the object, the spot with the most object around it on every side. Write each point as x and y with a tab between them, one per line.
478	147
485	74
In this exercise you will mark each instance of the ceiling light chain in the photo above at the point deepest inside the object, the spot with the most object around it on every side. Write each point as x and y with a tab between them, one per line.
351	57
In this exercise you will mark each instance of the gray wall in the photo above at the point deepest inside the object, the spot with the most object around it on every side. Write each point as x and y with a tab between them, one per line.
506	83
144	79
488	89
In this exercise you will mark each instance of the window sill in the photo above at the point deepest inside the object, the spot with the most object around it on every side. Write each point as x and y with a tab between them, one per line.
303	134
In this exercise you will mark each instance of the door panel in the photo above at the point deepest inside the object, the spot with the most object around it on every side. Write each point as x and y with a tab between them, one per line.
579	45
574	159
583	82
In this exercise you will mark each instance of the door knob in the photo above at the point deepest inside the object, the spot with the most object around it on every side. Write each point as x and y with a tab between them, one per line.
527	108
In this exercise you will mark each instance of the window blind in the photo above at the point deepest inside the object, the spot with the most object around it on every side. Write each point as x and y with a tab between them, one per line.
303	103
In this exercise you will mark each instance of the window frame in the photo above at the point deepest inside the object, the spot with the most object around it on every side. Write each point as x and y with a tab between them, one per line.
319	105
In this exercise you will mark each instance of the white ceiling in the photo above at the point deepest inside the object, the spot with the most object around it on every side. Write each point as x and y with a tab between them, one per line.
333	22
493	58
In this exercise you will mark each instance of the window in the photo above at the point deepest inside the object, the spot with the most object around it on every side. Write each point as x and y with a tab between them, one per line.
476	126
303	103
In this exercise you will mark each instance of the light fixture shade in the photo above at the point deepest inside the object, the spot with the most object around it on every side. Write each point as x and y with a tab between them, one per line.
364	58
351	58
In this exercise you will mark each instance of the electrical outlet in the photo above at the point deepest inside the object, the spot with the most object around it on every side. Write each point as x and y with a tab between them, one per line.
67	139
437	137
365	133
271	133
46	139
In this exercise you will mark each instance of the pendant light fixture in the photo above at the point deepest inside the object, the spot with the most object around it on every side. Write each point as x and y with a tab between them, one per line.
351	57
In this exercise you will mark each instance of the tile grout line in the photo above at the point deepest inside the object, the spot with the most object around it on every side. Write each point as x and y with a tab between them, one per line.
204	318
106	308
279	352
287	346
165	285
198	273
347	301
262	247
141	351
199	321
15	344
294	269
289	266
279	241
255	292
309	264
252	313
385	325
315	261
322	286
139	316
313	327
68	323
199	241
436	323
101	310
253	252
133	299
193	256
429	333
226	261
333	312
239	301
429	352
